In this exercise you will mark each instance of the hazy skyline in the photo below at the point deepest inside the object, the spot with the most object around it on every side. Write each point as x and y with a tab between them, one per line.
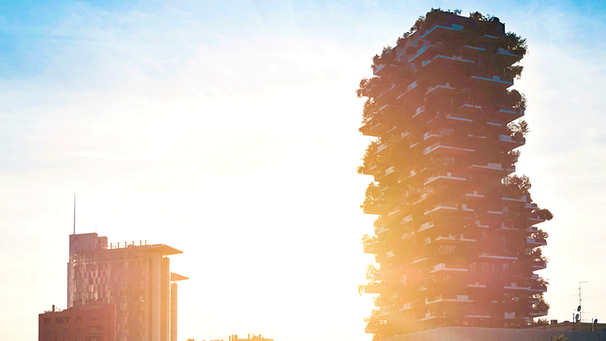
228	130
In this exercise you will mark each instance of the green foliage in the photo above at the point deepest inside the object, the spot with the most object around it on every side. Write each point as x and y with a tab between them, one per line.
560	337
370	111
514	99
373	195
372	274
516	185
544	213
519	129
514	44
513	71
368	240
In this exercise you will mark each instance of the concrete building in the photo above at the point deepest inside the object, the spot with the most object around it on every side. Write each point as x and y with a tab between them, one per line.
455	240
95	322
254	337
500	334
134	276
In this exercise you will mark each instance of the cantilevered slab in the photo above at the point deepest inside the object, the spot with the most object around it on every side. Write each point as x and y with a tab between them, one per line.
165	250
176	277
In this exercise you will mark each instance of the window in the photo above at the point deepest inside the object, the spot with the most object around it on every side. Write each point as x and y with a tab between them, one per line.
78	318
47	320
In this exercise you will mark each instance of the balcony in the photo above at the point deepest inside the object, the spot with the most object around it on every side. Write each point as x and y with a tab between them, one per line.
431	135
371	330
418	259
510	315
457	119
394	211
440	89
521	199
476	49
409	90
469	108
406	306
459	298
444	147
454	238
475	195
539	265
443	62
381	229
385	106
382	69
508	114
530	206
442	208
419	111
442	31
536	242
421	51
479	224
538	313
374	208
387	172
431	316
423	198
508	56
373	129
388	93
495	257
491	167
425	226
514	286
476	285
406	219
494	81
510	142
451	268
374	288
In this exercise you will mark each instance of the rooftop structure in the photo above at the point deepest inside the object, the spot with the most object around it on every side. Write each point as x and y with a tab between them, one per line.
455	242
134	276
92	322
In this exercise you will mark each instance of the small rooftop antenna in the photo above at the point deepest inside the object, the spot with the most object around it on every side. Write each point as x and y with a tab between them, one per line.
579	315
74	213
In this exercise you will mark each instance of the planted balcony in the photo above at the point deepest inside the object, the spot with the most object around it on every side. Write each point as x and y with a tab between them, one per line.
469	108
372	129
494	81
442	32
508	57
440	90
423	49
448	147
491	167
444	267
510	142
441	62
534	242
509	114
411	91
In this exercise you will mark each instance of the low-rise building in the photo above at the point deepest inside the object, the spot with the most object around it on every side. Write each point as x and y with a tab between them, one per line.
96	322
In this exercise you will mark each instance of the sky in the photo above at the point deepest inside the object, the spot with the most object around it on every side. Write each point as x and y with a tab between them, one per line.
228	130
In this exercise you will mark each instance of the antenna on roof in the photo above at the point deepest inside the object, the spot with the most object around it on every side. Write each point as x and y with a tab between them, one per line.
74	213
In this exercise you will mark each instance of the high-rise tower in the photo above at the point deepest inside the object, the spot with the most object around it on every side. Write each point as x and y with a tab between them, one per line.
455	240
134	276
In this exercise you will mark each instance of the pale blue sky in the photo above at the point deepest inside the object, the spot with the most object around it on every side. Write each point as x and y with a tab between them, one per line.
229	130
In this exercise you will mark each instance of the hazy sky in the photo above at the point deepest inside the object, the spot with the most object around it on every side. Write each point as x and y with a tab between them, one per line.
228	130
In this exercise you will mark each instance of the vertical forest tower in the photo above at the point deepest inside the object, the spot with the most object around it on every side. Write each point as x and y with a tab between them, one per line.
455	239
